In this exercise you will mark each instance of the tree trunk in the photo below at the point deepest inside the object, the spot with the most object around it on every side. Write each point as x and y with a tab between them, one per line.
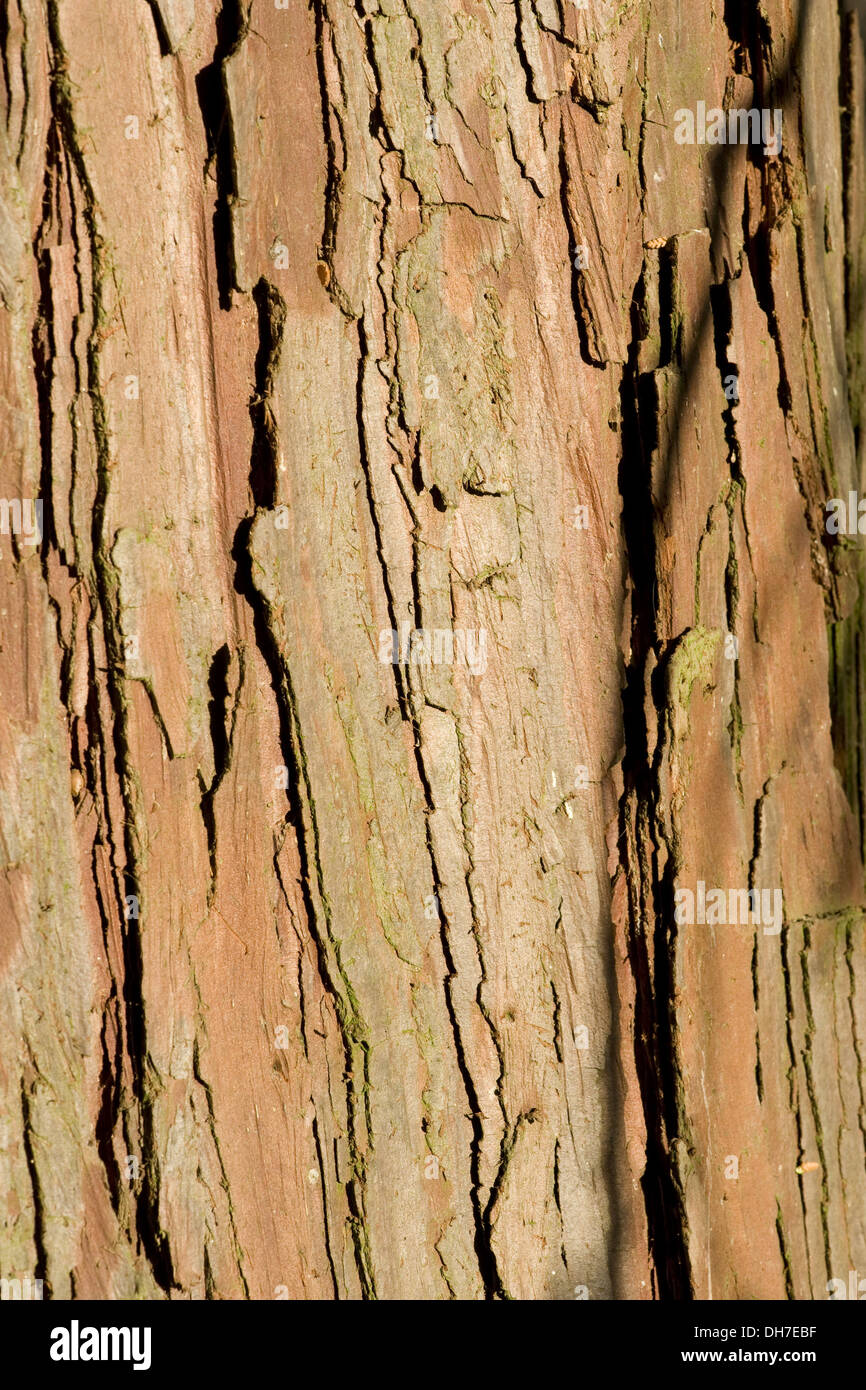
433	598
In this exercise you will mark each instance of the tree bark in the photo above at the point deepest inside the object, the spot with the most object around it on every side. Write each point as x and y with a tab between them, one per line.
325	975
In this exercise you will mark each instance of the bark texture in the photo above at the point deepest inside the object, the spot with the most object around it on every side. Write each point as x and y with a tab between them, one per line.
325	977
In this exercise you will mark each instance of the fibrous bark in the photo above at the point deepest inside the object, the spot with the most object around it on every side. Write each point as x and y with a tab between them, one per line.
325	976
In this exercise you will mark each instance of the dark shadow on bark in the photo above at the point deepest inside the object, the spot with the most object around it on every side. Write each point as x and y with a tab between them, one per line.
646	479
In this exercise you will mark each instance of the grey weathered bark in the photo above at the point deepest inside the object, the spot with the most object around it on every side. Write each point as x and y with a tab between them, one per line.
324	976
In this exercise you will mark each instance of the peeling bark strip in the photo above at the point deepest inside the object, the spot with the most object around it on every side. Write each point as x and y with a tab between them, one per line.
431	700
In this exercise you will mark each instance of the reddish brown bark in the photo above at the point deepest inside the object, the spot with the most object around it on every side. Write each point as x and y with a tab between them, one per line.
322	976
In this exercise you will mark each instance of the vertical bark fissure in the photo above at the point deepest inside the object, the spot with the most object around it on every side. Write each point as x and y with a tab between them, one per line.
232	27
650	897
299	794
793	1087
105	581
224	1179
806	1054
39	1213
